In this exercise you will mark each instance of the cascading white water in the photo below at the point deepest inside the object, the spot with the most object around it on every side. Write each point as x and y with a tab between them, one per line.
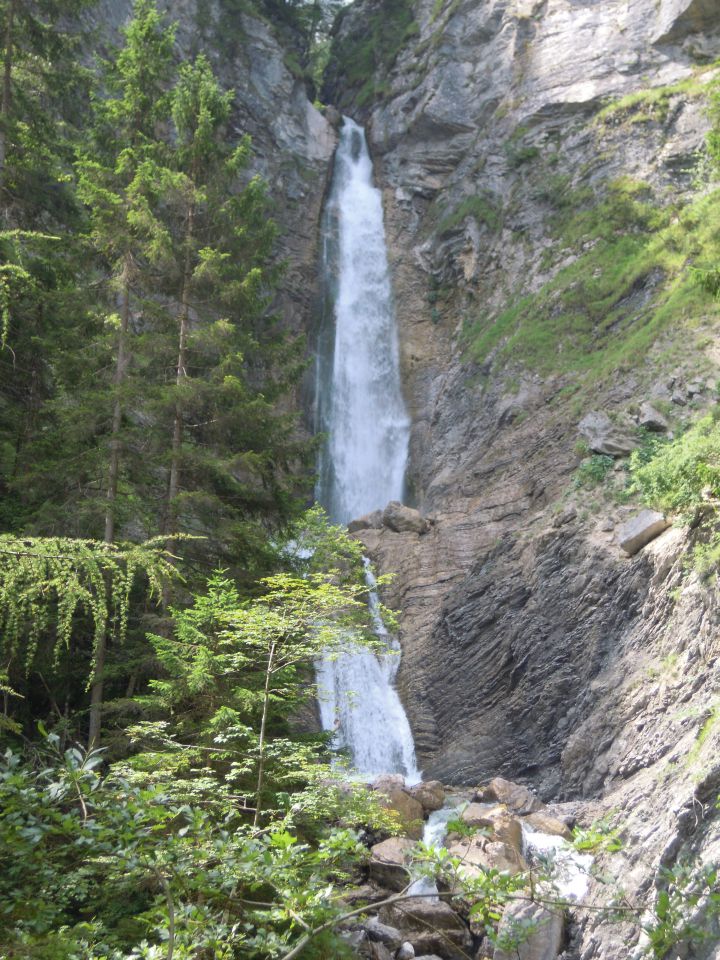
360	407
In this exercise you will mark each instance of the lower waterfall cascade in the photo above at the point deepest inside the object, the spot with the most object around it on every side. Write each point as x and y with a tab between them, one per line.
361	409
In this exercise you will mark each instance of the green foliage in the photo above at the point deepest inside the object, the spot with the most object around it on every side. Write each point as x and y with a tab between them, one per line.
643	106
484	208
156	874
628	284
593	470
684	888
679	476
600	835
458	825
363	62
50	580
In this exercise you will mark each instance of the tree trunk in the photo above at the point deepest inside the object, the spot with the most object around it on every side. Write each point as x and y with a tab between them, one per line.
115	444
6	101
180	375
96	687
261	744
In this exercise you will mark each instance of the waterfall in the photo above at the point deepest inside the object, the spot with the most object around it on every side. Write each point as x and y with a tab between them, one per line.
361	409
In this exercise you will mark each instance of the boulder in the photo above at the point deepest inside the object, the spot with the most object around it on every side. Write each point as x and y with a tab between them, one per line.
388	782
482	814
396	516
652	419
370	521
406	952
430	926
604	437
380	932
431	795
374	950
408	809
505	828
546	824
537	931
516	797
640	530
389	860
479	854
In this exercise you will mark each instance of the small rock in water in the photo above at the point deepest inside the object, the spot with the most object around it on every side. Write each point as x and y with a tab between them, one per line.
546	824
518	798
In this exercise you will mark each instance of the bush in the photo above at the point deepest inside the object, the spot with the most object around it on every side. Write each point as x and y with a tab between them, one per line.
593	470
678	477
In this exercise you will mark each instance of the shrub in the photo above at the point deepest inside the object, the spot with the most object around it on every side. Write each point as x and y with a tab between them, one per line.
593	470
679	476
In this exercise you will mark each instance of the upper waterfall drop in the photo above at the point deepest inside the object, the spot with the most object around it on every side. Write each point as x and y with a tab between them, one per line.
361	403
362	466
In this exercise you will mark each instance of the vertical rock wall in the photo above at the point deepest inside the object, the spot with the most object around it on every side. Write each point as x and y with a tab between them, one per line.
533	647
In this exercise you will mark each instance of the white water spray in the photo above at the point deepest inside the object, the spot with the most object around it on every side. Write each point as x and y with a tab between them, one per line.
360	407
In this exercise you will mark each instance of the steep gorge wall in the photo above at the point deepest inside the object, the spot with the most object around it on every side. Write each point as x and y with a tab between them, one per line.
545	193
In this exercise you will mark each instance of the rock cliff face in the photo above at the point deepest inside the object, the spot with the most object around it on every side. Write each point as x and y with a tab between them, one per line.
528	151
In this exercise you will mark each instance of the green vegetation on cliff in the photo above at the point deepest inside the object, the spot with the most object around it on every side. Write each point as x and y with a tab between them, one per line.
629	279
363	62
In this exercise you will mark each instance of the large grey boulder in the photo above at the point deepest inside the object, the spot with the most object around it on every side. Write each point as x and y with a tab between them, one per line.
404	519
383	933
640	530
604	437
652	419
431	927
538	932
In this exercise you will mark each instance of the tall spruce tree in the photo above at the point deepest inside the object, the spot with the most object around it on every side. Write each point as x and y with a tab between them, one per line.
229	451
118	181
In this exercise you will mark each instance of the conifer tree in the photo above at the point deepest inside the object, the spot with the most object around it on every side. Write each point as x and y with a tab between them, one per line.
119	178
228	446
43	89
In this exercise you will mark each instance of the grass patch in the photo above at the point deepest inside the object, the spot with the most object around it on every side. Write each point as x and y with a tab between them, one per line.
484	208
643	106
630	281
593	471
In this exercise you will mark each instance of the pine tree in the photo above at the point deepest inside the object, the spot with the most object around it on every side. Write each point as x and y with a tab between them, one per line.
229	449
119	179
